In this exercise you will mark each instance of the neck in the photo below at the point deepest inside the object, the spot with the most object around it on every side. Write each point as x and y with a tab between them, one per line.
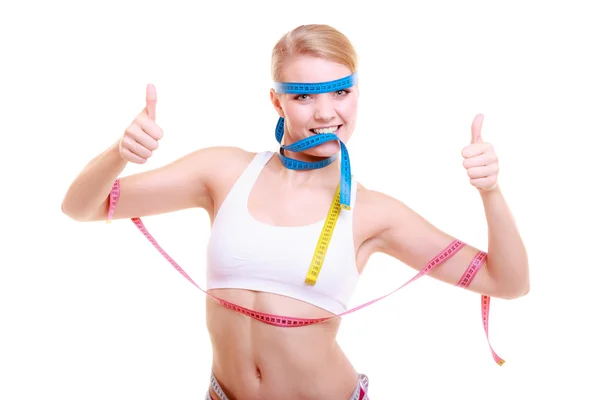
327	173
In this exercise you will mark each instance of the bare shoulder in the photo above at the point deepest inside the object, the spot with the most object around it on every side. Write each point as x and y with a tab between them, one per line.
392	224
191	181
214	162
216	170
223	166
221	154
389	226
373	209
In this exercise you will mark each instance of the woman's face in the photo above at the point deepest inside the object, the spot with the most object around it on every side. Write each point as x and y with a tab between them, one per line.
312	114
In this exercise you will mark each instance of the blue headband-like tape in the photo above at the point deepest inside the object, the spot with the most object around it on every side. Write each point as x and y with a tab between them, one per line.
310	142
316	88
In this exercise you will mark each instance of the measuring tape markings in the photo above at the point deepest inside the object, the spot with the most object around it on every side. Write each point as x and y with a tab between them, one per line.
316	88
314	141
471	270
465	281
341	200
285	321
324	239
318	139
345	179
278	320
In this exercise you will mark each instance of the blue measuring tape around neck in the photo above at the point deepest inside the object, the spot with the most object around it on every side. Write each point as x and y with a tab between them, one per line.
316	140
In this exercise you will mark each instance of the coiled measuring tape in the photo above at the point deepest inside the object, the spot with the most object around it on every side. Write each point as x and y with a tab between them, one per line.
319	139
341	198
340	201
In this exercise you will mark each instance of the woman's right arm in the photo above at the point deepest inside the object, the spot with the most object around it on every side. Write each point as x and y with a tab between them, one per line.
184	183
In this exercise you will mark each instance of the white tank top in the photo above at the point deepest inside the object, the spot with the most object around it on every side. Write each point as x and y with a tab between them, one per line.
245	253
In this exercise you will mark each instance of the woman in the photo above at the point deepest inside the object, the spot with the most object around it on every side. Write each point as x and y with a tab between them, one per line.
261	254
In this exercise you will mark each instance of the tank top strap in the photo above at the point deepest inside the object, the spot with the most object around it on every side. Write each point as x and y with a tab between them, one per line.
237	198
248	178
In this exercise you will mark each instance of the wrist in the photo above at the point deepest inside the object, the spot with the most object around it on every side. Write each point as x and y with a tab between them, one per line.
114	152
490	192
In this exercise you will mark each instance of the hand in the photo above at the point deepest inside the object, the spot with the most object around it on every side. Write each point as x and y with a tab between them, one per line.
141	137
481	161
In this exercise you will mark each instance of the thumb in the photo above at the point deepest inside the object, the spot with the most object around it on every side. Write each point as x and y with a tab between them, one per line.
150	109
476	129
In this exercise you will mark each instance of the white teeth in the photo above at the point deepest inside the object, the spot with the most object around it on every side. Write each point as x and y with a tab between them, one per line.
331	129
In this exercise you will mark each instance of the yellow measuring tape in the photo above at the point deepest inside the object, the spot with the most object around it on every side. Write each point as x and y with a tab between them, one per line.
324	239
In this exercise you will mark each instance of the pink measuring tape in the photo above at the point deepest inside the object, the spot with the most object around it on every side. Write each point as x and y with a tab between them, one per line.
282	321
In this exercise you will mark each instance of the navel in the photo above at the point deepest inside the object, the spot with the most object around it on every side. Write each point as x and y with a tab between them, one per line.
258	374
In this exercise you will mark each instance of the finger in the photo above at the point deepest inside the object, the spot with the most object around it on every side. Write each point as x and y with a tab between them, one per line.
149	127
151	101
486	158
482	172
143	138
476	129
132	157
135	147
475	149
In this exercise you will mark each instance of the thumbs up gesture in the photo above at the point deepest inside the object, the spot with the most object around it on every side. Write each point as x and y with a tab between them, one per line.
480	159
141	137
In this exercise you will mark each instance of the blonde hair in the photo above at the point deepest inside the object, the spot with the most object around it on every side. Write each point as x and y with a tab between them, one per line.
316	40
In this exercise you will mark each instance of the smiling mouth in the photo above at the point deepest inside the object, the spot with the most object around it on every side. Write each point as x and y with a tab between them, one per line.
330	129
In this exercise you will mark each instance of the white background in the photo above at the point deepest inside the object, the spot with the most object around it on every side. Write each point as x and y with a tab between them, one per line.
92	311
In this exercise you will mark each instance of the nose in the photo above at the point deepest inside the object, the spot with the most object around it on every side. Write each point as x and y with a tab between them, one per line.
324	110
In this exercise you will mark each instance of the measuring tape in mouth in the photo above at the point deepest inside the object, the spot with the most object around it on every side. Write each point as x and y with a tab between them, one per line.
340	201
318	139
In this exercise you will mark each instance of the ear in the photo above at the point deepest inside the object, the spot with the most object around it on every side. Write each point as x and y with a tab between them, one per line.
276	103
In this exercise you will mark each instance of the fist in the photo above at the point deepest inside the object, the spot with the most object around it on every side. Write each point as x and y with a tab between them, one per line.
480	159
141	137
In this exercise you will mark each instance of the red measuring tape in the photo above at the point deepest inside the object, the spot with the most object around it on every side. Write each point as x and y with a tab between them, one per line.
283	321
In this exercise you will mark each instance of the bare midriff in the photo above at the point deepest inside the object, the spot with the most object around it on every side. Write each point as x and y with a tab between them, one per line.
254	360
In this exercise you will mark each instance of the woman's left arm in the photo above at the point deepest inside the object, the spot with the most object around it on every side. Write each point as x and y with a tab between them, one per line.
407	236
507	262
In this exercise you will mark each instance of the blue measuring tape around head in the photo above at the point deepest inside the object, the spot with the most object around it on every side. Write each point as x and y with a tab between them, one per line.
313	141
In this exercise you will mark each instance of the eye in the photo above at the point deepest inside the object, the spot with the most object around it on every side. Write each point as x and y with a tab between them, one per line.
302	97
342	92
